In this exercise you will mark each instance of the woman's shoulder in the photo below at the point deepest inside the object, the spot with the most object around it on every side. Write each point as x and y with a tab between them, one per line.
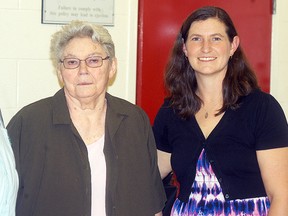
124	107
167	114
258	99
262	108
168	108
40	109
37	107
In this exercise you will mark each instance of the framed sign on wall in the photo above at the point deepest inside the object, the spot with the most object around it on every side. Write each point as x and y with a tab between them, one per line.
64	11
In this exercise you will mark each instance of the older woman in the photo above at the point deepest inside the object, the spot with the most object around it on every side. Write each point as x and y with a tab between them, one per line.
83	151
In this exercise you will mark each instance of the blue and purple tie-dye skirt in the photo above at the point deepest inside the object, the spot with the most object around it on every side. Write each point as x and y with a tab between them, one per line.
207	199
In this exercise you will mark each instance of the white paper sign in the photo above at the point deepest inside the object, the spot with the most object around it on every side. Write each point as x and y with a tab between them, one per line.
64	11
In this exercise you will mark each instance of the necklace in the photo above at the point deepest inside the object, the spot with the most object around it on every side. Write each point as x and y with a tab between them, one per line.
206	111
210	105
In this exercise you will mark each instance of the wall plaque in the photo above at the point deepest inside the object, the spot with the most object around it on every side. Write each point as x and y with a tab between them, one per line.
64	11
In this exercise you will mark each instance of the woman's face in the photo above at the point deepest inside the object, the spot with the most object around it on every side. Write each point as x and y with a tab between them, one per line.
83	82
208	47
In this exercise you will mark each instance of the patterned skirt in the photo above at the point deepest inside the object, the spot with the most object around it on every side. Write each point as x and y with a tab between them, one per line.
207	199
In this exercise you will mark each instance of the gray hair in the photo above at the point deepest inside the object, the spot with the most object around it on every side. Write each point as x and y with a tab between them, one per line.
75	29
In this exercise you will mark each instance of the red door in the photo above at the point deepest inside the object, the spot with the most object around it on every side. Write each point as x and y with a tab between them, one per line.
159	22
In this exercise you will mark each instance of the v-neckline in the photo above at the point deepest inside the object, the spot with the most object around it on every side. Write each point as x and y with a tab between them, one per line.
215	129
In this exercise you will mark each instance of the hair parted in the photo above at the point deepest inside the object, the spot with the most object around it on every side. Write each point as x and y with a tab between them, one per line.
180	80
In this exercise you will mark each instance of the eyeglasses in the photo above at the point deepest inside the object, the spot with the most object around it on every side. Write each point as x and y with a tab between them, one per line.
92	62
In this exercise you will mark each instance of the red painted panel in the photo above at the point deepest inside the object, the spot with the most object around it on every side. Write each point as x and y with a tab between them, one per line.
159	22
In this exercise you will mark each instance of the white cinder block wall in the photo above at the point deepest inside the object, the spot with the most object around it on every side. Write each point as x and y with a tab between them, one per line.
27	75
279	71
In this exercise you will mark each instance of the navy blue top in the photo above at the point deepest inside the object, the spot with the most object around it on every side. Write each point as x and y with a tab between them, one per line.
258	124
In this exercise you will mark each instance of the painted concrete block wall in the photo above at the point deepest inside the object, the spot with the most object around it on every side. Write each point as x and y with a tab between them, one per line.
26	72
279	66
27	75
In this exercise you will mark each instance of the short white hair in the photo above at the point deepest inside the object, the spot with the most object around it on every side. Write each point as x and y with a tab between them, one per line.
75	29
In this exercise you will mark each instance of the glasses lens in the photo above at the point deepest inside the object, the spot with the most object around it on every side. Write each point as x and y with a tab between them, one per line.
94	61
71	63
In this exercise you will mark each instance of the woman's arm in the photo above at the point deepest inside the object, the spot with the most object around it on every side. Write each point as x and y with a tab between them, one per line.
164	163
274	170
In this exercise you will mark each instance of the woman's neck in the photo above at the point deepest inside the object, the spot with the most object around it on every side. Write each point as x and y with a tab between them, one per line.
85	104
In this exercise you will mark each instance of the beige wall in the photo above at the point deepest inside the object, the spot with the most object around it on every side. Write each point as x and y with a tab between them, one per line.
279	71
26	73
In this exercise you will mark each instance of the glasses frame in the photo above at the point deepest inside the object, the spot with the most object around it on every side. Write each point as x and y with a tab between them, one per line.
85	60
